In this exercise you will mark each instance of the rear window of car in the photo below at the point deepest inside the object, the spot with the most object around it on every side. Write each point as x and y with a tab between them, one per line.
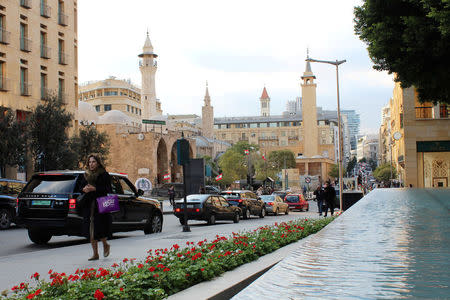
231	196
267	198
292	199
58	184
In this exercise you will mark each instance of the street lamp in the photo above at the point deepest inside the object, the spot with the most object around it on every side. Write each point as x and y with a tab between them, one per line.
336	63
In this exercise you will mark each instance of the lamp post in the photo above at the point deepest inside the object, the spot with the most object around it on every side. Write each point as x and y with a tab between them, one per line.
336	63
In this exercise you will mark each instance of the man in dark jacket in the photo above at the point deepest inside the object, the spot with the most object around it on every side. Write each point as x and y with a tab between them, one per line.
319	198
329	197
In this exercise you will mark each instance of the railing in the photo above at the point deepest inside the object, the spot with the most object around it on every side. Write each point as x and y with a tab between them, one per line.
141	64
25	89
62	58
25	44
4	36
45	51
45	93
62	97
45	10
424	112
4	84
25	3
63	19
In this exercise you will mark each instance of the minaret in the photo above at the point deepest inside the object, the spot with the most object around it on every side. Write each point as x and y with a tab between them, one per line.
265	103
207	116
148	66
309	113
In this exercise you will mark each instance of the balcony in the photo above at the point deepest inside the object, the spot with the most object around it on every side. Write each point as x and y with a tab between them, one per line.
63	19
25	89
25	44
4	84
63	58
45	93
45	51
45	10
4	36
424	112
25	3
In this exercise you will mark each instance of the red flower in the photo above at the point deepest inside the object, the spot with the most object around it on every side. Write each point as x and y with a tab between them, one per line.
31	296
202	269
50	271
121	289
176	246
38	292
151	269
140	266
156	276
114	265
166	270
98	295
35	275
125	260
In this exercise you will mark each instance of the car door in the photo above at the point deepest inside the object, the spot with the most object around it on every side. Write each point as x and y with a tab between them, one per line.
217	208
254	203
122	215
135	210
227	210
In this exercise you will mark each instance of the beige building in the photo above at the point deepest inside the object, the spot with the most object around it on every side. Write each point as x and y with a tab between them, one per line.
367	147
114	94
420	136
38	54
309	134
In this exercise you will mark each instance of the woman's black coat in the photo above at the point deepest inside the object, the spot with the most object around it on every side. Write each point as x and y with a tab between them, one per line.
102	222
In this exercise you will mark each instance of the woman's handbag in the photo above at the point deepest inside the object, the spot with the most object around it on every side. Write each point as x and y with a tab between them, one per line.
108	204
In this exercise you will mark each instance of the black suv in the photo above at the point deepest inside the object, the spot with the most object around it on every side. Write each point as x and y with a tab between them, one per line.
47	206
249	203
9	189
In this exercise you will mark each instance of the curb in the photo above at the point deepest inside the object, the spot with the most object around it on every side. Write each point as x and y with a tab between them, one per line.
232	282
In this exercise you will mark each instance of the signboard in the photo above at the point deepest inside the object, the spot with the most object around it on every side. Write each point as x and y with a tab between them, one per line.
143	184
219	177
433	146
166	176
158	122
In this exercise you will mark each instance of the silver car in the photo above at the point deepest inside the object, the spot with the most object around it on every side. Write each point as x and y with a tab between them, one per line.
275	205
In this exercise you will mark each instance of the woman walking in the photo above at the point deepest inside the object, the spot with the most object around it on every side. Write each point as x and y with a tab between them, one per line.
96	226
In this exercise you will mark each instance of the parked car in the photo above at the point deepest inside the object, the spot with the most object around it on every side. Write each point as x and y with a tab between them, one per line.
47	206
211	189
247	201
297	201
275	205
9	189
282	194
207	207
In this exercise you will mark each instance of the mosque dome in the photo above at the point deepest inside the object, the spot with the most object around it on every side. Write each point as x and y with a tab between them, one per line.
87	113
114	117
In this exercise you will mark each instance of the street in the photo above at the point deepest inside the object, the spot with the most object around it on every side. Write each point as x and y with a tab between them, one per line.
65	254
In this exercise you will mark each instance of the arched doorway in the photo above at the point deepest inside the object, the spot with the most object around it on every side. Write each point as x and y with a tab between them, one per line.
161	161
175	169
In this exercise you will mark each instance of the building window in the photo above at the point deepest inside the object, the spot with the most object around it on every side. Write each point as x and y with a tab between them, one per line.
140	112
132	109
263	104
24	86
262	125
99	94
97	108
45	9
107	107
273	124
224	135
61	89
110	93
62	18
25	43
128	108
253	125
44	90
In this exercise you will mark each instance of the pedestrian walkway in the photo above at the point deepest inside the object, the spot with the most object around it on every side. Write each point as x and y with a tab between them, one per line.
394	243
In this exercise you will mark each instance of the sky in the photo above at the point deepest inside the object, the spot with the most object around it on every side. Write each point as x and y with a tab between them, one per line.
238	47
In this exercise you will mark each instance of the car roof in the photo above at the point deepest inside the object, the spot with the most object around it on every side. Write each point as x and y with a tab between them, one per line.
198	197
12	180
236	191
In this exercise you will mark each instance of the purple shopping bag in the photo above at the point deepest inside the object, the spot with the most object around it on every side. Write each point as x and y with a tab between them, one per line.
108	204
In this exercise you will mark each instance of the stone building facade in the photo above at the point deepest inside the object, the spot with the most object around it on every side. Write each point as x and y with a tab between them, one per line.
38	56
420	136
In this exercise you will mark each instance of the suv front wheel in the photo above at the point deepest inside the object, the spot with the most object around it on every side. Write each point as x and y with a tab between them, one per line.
5	219
154	224
39	237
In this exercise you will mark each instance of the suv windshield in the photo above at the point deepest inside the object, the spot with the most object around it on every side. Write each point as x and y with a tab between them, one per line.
58	184
292	199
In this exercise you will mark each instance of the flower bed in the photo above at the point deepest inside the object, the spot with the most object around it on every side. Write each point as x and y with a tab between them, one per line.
167	271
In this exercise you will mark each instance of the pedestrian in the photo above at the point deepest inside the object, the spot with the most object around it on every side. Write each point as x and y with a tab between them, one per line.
260	191
171	193
329	197
319	198
96	226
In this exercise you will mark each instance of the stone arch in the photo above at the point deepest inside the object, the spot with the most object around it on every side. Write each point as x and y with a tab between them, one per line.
175	169
161	161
